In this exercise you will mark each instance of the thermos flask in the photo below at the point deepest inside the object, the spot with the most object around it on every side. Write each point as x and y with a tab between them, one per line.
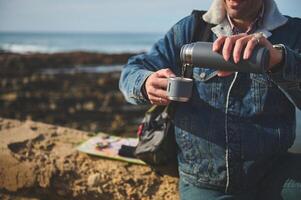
200	54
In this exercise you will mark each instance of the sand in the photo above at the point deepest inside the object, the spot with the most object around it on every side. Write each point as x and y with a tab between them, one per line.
39	161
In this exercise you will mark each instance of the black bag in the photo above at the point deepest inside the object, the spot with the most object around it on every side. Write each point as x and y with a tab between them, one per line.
157	146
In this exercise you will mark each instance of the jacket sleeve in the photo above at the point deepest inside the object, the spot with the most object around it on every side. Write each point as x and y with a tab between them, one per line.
288	79
164	54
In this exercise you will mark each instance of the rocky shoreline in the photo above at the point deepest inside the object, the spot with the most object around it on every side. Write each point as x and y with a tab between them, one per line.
31	62
85	101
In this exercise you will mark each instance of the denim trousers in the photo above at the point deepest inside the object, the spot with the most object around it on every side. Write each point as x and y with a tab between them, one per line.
282	182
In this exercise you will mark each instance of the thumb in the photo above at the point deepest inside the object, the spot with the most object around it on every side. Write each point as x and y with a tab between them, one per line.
165	73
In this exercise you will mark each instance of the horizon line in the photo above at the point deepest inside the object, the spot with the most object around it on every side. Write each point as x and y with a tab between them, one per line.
77	32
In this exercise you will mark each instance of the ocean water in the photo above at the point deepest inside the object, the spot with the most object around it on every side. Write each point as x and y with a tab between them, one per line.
64	42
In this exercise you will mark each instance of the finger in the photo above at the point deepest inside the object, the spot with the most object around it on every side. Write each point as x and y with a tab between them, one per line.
229	44
223	73
165	73
158	92
217	45
159	103
155	81
249	48
159	100
238	48
227	48
160	83
151	84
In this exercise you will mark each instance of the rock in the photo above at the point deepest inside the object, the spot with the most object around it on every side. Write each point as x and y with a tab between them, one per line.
94	180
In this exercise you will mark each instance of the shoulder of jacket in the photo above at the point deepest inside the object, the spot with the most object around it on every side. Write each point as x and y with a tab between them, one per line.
189	21
185	21
294	22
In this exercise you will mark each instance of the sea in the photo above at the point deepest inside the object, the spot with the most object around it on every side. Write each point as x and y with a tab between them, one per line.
92	42
65	42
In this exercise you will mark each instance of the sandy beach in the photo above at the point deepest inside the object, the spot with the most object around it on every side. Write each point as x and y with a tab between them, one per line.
39	161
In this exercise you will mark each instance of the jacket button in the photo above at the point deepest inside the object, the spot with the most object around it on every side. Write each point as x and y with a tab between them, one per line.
202	75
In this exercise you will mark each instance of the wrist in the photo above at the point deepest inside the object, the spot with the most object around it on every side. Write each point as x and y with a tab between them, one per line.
144	91
277	58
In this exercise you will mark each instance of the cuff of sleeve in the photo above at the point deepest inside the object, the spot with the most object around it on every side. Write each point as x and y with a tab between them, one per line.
280	75
285	78
139	84
290	70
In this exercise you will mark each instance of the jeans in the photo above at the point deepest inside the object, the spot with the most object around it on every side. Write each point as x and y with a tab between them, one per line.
283	182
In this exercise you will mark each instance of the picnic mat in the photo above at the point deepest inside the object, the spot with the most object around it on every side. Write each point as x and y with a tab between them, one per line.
111	147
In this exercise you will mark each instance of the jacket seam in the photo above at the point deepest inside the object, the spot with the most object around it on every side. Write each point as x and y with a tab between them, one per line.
226	130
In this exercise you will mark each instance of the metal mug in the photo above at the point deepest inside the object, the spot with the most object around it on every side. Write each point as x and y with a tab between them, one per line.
179	89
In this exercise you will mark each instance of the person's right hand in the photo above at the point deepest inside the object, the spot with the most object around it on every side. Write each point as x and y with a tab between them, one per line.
155	86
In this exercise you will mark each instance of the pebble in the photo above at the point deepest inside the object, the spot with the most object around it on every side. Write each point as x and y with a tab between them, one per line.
94	180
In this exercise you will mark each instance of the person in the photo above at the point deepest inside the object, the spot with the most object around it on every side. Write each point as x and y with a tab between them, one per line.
234	133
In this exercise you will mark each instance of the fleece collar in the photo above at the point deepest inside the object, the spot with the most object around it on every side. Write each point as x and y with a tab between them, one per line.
217	15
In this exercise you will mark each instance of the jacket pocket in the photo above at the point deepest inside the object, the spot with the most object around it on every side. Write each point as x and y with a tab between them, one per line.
261	80
260	85
207	86
203	74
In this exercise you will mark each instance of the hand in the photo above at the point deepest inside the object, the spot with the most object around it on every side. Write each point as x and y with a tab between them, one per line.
155	86
243	44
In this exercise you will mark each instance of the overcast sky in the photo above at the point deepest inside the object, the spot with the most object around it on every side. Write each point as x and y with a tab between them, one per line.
104	15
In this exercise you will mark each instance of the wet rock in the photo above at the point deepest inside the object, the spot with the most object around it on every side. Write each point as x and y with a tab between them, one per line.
85	101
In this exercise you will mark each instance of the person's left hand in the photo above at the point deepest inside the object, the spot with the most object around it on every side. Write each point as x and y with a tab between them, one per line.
243	44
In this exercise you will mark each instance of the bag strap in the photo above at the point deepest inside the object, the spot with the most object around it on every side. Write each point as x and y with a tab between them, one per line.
202	29
201	32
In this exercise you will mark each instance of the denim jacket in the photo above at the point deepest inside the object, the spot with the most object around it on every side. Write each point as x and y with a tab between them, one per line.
232	126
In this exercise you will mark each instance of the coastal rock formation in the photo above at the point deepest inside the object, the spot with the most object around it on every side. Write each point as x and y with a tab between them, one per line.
39	161
27	63
87	101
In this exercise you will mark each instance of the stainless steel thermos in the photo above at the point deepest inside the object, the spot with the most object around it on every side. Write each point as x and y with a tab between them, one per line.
200	54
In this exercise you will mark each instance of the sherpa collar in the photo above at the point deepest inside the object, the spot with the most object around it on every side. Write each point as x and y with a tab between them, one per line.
217	15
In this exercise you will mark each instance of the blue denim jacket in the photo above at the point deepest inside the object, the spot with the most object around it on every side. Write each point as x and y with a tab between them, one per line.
232	126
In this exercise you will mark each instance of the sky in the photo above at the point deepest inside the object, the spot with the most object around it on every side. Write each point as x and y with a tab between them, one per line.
105	15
